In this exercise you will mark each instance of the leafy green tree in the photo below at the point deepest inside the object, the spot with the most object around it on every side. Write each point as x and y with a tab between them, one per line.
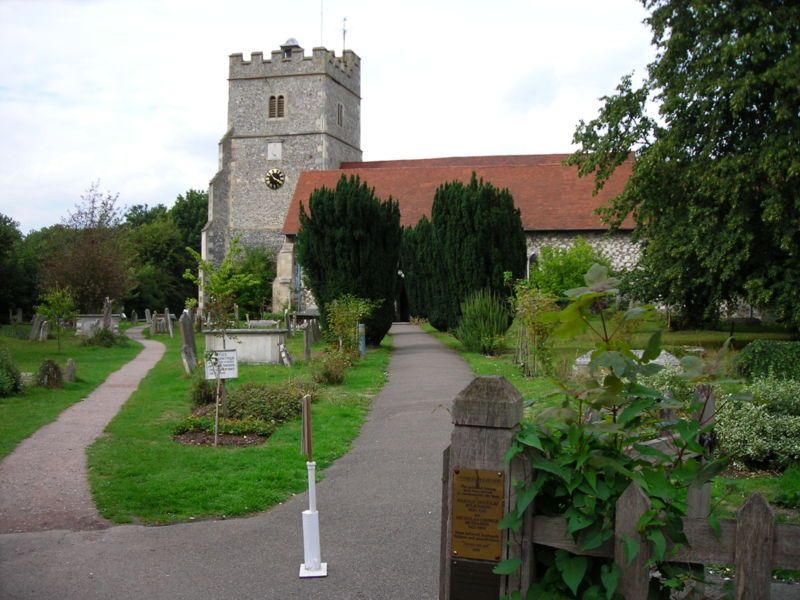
58	307
476	236
349	243
260	263
560	269
92	258
190	213
142	214
18	279
715	185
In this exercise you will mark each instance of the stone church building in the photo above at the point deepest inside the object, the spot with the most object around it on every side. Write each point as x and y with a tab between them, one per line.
294	125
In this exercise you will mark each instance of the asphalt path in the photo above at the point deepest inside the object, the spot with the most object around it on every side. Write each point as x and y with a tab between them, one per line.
379	518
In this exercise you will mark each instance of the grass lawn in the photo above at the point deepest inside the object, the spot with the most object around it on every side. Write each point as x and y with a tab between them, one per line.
138	474
23	414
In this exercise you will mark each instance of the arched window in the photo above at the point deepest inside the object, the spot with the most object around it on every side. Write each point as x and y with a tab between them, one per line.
276	107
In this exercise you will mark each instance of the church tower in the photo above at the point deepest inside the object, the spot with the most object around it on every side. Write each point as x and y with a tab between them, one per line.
288	114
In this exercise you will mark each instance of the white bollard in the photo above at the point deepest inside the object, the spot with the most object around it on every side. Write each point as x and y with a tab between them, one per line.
313	565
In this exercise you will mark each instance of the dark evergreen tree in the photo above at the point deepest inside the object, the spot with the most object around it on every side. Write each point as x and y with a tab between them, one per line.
417	264
349	243
476	236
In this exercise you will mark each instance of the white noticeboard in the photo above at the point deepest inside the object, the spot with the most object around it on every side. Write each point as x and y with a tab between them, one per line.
222	361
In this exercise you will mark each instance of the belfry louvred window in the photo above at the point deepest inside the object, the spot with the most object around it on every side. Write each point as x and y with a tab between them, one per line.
276	106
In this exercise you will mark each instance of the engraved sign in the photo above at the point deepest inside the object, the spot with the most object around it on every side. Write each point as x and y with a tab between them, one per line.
478	499
473	580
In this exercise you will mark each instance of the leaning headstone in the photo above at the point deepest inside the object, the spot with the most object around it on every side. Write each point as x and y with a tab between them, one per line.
69	370
44	331
286	360
153	326
134	317
168	319
188	347
106	321
37	325
148	316
236	311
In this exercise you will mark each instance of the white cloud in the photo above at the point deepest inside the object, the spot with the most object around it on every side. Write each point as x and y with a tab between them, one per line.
134	92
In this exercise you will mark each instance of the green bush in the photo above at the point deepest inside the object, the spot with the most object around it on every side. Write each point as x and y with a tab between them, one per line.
10	378
778	396
752	435
226	426
105	338
49	375
202	391
764	357
484	322
332	366
671	381
560	269
271	403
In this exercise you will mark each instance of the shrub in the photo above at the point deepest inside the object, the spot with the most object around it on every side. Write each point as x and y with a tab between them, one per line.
534	346
671	381
49	375
275	403
227	426
105	338
750	434
560	269
10	378
201	391
778	396
484	322
764	357
331	368
344	315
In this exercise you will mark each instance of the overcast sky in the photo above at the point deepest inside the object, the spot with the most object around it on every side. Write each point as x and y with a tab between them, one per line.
134	93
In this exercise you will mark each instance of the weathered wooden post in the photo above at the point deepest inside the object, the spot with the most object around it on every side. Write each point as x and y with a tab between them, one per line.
634	578
477	492
755	530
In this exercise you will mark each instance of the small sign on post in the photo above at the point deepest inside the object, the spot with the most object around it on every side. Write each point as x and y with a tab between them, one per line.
313	565
222	364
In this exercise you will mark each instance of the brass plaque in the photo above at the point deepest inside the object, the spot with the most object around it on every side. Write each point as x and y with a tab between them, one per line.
478	499
472	580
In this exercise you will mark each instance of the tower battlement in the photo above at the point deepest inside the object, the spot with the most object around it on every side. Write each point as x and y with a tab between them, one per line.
292	61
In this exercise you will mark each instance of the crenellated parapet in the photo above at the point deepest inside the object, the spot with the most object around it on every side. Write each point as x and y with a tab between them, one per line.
291	61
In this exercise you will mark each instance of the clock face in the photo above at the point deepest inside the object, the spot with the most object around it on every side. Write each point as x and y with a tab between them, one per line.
275	178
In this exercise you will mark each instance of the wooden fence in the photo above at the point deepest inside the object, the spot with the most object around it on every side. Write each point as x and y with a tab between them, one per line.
486	415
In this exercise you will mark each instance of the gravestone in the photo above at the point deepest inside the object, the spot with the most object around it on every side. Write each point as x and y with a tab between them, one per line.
69	370
284	354
188	346
307	344
168	319
37	325
236	312
153	324
106	322
44	331
148	317
134	317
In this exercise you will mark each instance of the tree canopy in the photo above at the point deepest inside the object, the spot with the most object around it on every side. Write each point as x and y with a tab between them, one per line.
349	243
714	131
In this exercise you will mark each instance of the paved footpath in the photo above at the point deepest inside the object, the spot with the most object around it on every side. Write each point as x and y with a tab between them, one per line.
379	518
43	483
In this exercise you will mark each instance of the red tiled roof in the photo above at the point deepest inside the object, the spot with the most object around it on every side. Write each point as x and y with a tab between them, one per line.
550	196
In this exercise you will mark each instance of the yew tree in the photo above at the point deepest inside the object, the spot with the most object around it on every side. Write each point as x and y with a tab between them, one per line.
714	130
349	243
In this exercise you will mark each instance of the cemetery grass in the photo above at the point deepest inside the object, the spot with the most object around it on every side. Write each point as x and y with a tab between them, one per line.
21	415
138	474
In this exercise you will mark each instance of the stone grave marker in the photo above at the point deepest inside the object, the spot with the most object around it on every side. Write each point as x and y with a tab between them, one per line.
188	346
148	317
286	359
153	324
44	331
134	317
106	322
69	370
37	325
168	319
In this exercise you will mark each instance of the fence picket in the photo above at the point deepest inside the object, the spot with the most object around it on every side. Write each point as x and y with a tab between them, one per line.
634	577
754	539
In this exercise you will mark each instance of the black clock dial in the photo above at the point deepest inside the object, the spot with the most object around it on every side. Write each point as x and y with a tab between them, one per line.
274	179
